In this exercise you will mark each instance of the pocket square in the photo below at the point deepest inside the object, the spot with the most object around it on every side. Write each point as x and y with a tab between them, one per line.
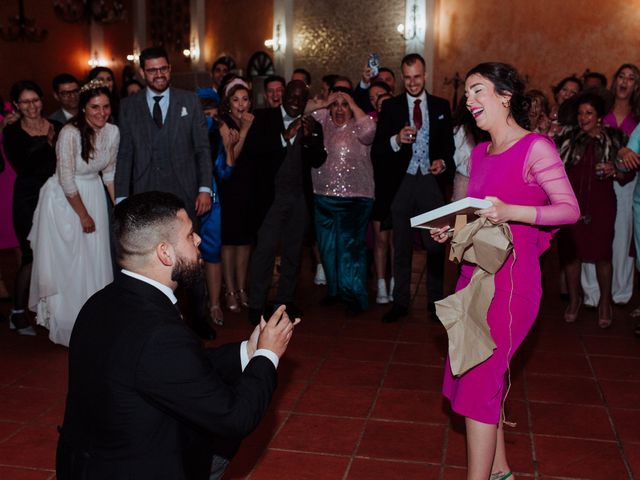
184	113
440	117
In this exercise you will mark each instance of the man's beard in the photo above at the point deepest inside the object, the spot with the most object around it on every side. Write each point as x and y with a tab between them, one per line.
186	274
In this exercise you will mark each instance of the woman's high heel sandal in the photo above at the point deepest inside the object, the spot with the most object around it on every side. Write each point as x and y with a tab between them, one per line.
605	322
232	301
572	317
216	315
244	298
500	476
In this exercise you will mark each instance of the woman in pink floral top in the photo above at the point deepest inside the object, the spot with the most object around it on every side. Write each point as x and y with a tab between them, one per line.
343	195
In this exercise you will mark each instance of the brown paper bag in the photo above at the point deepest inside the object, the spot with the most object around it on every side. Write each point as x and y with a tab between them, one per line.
464	314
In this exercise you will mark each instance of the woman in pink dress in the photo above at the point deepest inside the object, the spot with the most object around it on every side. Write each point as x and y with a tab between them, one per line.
522	175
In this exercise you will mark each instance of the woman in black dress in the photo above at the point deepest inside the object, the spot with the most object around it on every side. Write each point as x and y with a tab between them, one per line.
29	145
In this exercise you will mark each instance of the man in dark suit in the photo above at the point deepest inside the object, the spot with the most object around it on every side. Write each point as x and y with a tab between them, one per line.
139	381
164	146
286	145
413	145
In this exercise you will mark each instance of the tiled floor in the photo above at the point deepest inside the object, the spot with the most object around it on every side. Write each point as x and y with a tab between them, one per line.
358	399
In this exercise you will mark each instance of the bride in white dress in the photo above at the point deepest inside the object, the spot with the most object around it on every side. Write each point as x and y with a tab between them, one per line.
70	233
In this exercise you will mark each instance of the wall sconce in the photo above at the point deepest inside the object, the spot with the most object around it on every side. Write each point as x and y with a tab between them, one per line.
415	27
96	61
278	42
192	54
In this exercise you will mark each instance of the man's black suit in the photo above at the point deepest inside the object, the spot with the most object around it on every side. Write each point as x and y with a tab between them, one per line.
285	199
402	196
139	380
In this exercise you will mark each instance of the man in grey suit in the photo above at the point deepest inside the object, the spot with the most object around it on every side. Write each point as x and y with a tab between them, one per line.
66	91
164	146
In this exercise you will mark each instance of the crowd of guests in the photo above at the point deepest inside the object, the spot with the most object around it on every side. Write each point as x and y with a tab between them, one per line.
341	170
247	186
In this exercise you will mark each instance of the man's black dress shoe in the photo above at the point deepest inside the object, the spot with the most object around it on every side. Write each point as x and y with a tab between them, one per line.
395	314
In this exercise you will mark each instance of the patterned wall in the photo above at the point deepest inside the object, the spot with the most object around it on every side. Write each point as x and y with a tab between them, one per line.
341	41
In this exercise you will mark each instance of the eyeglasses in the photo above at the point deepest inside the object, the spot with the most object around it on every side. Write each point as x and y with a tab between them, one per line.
155	71
69	93
33	101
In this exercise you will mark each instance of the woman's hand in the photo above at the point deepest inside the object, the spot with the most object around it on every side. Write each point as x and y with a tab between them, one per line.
628	158
245	121
441	235
88	225
499	212
230	136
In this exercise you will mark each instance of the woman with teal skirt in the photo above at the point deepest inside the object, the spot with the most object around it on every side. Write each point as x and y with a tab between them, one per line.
343	196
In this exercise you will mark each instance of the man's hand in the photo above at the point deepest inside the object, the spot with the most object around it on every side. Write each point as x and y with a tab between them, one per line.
437	167
203	203
406	135
277	332
292	129
252	343
307	125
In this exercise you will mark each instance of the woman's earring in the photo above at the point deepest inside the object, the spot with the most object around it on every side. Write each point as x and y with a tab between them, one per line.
506	103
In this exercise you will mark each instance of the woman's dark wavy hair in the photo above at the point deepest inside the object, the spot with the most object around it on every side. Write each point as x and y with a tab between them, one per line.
589	97
19	87
634	100
506	80
558	86
87	132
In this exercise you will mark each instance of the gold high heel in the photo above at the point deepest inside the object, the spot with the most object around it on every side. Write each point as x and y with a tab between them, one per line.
572	317
216	315
232	301
605	322
244	298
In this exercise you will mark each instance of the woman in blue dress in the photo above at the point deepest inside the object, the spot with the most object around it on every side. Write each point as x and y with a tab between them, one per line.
222	140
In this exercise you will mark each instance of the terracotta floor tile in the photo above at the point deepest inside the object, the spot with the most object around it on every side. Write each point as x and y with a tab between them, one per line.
456	448
33	446
287	394
350	372
358	349
558	364
627	423
308	345
369	469
371	329
11	473
556	389
427	353
553	343
412	442
299	466
616	346
569	457
8	429
621	394
616	368
348	401
455	474
22	404
319	434
410	406
414	377
571	420
415	332
632	452
299	369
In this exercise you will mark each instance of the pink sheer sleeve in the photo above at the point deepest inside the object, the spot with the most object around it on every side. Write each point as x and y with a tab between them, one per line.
544	167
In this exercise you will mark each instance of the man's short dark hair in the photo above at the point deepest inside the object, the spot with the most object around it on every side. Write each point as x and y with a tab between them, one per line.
63	78
411	59
275	78
224	60
141	219
153	52
330	79
380	84
342	78
307	75
386	69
